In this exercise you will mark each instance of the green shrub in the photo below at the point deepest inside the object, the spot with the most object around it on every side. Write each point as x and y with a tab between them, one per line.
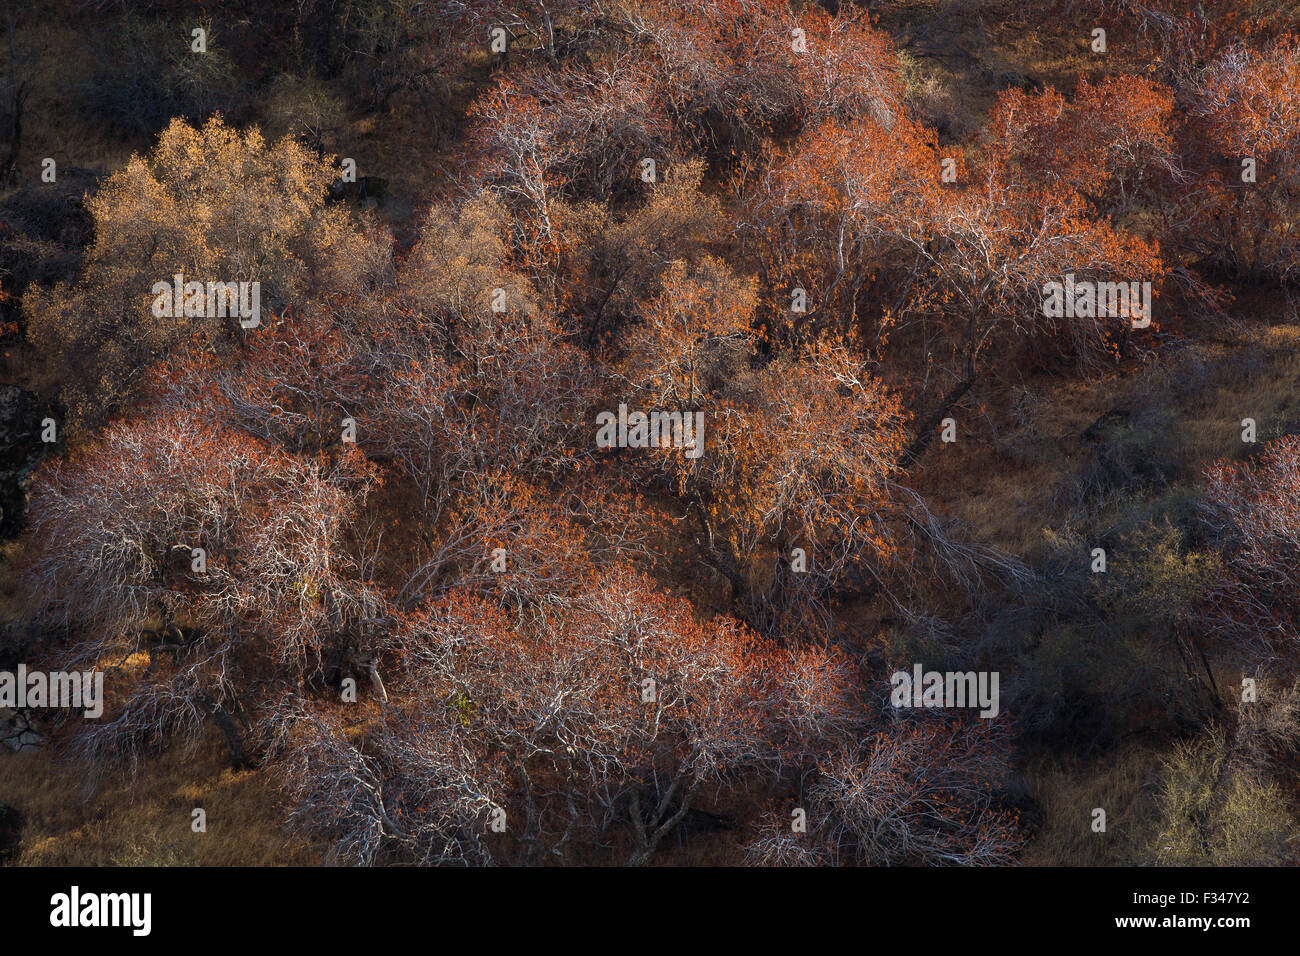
1215	813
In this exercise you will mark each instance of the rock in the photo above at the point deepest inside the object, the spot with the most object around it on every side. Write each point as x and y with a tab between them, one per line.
1107	424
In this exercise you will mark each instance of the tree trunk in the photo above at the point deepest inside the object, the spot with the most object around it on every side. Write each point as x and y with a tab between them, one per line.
925	435
230	730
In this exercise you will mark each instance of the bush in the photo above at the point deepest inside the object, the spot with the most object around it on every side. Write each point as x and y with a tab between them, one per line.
147	76
1118	655
213	204
1214	813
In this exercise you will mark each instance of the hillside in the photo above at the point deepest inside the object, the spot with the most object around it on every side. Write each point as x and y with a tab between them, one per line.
326	326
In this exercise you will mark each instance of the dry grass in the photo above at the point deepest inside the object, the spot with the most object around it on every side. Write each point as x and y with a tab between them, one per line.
1001	477
1122	784
149	823
62	131
958	55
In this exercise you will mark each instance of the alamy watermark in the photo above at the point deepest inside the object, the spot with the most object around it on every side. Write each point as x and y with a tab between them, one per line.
77	690
1072	300
76	909
211	300
683	430
946	689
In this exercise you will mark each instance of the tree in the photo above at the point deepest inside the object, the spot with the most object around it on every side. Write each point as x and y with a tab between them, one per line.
1246	150
112	554
212	205
1215	809
538	136
452	276
291	386
1181	38
800	453
915	794
725	69
959	266
692	334
735	72
616	262
1251	510
1114	142
984	266
619	707
410	791
850	69
833	211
